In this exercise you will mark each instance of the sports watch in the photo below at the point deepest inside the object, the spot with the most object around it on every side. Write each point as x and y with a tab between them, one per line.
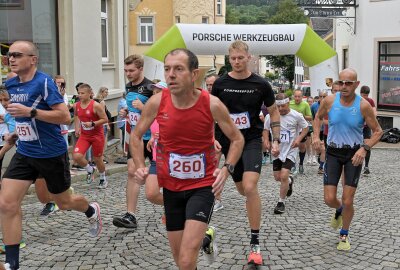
230	167
366	147
33	113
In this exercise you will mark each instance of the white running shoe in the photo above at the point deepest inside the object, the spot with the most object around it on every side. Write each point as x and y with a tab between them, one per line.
95	222
103	184
218	205
7	266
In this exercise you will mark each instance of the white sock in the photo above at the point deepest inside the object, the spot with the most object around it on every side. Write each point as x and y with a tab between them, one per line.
281	200
103	175
89	168
290	180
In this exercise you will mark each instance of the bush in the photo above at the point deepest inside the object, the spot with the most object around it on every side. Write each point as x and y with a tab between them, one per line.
289	93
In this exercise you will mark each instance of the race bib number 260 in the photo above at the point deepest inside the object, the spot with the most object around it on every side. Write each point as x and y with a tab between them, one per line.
187	167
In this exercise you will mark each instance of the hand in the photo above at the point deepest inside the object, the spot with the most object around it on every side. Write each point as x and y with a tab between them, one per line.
77	132
358	157
137	104
275	149
150	144
10	138
295	143
19	110
123	112
316	143
141	175
267	145
218	185
87	124
1	118
217	146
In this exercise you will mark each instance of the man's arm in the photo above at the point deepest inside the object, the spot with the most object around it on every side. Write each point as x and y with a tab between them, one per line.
99	109
58	114
308	115
275	119
370	118
319	118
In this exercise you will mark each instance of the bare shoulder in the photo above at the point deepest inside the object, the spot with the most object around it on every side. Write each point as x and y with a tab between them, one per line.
365	106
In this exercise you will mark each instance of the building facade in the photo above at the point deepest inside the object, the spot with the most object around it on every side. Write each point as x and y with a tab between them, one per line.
371	45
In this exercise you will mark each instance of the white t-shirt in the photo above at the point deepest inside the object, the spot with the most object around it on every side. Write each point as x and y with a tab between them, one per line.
291	125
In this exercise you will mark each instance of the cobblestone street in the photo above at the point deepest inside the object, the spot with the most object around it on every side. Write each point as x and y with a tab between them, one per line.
301	238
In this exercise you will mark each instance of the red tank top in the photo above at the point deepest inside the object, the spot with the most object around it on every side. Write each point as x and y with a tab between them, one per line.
87	115
185	150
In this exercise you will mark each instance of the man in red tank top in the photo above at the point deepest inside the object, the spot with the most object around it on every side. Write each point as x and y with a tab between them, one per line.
186	158
89	129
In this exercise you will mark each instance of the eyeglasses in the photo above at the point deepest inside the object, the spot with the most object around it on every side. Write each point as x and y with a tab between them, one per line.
322	96
347	83
18	54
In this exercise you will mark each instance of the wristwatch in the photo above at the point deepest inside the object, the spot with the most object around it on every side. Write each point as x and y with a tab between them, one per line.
33	113
93	124
366	147
230	167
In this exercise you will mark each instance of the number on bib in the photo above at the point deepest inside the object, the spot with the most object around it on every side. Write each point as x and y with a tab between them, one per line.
25	131
134	118
241	120
187	167
285	136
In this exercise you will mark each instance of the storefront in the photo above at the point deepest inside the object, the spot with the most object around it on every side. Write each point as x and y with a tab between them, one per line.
30	20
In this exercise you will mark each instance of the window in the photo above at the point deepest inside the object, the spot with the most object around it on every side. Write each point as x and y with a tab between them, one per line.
204	20
219	7
177	19
389	76
146	30
104	30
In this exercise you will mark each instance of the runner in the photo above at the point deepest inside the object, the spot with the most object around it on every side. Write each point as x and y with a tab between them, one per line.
187	170
302	107
293	129
90	131
364	92
210	79
311	157
138	92
347	112
39	109
243	93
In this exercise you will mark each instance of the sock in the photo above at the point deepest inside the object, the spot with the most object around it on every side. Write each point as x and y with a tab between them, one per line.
254	237
281	200
90	211
290	180
206	241
12	256
321	164
103	175
302	156
89	168
131	213
344	232
367	157
339	210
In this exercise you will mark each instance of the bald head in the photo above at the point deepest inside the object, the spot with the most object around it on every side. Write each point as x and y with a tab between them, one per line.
348	73
29	46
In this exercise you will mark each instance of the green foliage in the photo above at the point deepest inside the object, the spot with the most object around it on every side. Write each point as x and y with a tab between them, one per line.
271	76
288	13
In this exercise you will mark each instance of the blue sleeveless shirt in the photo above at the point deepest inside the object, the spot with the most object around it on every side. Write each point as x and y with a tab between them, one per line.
345	124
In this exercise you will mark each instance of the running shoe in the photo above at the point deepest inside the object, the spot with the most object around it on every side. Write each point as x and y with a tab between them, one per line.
320	171
126	221
309	160
95	222
290	190
7	266
336	220
255	257
366	171
279	208
344	242
301	169
49	209
71	190
264	160
209	246
314	160
90	176
103	184
22	244
218	205
78	168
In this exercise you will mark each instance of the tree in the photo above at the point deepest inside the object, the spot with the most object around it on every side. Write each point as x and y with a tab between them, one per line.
288	13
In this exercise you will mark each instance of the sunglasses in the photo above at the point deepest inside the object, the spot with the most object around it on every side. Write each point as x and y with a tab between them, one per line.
347	83
322	96
18	54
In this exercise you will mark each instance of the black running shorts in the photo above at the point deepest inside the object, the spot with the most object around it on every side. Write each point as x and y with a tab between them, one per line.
277	165
146	153
54	170
336	159
250	161
195	204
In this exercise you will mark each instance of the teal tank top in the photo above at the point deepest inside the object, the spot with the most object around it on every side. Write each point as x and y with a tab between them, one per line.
345	124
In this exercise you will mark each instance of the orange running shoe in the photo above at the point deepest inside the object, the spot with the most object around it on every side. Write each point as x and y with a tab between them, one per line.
255	255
